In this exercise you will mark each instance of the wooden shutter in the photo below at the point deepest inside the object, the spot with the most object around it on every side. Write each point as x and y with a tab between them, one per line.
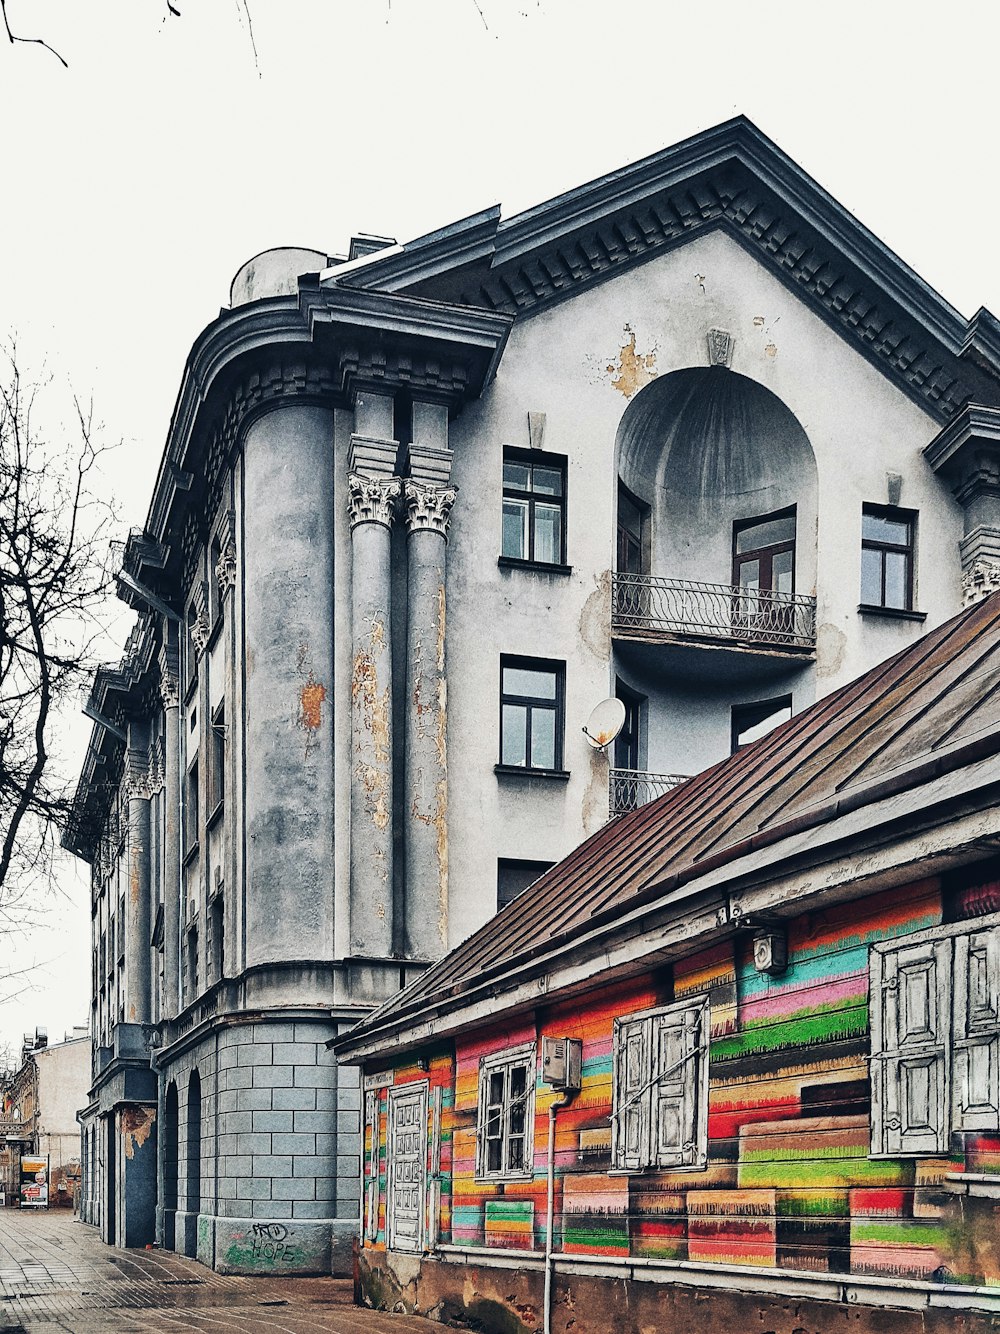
976	1060
675	1096
910	1031
631	1104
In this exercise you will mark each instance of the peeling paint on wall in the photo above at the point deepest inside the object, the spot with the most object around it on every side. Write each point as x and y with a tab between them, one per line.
632	369
312	696
136	1123
372	710
595	618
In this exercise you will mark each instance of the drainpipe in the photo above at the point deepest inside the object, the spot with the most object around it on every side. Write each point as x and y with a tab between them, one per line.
554	1106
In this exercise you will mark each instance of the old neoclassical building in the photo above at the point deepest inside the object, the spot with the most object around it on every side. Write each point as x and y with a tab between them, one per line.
688	436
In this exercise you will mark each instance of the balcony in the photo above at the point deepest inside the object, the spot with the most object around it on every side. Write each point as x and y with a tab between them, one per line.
753	631
628	789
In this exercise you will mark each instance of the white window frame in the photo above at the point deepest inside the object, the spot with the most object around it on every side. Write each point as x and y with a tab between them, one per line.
512	1058
652	1086
952	1058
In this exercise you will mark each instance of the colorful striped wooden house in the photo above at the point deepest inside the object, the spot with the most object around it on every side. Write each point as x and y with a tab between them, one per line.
781	983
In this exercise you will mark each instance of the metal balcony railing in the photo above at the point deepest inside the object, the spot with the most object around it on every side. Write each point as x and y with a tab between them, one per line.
628	789
648	605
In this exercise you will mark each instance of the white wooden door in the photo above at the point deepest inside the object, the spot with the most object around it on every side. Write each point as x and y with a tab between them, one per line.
407	1167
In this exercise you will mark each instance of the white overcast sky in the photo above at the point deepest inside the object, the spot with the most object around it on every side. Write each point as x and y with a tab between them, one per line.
136	182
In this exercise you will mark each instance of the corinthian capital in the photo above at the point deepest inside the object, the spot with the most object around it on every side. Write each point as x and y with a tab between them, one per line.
428	508
372	499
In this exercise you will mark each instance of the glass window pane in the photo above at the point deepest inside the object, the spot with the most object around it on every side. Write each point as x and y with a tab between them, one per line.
548	534
515	529
781	571
546	481
533	682
750	574
629	515
759	720
543	739
496	1087
895	580
871	577
493	1155
768	534
515	1154
516	475
880	528
513	741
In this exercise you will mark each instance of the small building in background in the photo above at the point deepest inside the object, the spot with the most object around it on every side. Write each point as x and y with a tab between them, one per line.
40	1101
740	1049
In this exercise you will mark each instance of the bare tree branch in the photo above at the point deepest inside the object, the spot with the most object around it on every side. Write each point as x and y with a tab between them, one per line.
30	41
54	575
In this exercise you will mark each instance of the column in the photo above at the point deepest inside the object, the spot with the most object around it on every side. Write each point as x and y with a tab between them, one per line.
428	507
372	494
170	694
138	982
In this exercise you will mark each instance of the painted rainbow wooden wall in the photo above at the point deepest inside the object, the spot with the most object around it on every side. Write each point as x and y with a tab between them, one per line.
789	1182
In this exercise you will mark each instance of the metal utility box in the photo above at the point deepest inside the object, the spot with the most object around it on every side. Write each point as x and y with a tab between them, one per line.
562	1059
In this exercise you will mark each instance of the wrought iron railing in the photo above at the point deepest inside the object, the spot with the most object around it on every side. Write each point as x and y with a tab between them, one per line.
646	604
628	789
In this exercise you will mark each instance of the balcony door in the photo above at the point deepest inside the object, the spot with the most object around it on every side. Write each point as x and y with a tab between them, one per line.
764	574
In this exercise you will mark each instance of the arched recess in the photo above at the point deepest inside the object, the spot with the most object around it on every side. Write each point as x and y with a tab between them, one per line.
171	1133
193	1197
705	449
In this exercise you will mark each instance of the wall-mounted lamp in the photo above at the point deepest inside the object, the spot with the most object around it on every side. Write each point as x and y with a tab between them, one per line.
770	950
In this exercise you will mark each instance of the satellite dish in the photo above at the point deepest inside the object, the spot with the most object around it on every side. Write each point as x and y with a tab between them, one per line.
604	724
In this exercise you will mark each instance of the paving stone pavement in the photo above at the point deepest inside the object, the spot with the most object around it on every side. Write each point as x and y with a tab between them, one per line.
56	1274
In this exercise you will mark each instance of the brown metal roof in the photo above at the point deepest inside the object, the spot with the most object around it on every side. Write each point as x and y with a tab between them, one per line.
928	709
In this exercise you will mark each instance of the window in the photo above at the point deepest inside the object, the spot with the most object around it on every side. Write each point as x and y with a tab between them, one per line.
534	508
752	721
659	1111
531	713
191	809
216	934
217	759
887	557
764	554
192	961
515	875
935	1038
504	1148
632	552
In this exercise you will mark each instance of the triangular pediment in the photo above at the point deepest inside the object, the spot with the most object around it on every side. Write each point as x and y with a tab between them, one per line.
731	178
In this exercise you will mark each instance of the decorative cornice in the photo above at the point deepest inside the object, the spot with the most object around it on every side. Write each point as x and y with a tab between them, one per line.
225	568
980	581
372	499
201	632
428	508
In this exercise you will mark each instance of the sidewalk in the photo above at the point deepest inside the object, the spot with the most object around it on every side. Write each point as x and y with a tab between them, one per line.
56	1274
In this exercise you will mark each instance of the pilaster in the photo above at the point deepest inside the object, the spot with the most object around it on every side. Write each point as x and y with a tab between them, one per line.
373	492
428	505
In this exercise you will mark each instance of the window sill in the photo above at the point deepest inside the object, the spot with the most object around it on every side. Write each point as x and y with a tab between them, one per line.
893	613
982	1184
216	815
213	637
542	566
507	1180
519	771
190	854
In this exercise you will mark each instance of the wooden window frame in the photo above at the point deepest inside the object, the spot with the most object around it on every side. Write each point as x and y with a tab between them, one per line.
532	498
693	1154
949	950
621	531
523	1057
906	549
557	705
765	553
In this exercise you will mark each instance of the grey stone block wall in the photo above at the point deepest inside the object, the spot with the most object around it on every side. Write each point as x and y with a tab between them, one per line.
280	1136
